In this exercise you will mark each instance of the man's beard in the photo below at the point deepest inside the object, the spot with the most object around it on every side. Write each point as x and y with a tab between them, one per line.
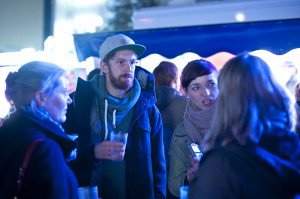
118	83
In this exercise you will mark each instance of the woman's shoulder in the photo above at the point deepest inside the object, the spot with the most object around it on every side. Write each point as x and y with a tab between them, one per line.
180	130
180	135
274	143
48	151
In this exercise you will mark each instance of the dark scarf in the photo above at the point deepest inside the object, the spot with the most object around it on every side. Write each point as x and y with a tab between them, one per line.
122	106
197	123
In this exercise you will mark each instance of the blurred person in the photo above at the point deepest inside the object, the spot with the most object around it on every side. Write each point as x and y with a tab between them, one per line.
292	73
170	102
297	93
119	99
93	72
286	74
251	151
200	85
38	96
297	98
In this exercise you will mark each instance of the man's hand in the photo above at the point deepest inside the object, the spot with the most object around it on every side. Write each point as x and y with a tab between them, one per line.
110	150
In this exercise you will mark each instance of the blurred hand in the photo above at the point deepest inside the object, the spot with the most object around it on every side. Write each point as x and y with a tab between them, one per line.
110	150
193	169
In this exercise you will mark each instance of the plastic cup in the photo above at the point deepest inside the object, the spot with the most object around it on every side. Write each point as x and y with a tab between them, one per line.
184	192
89	192
119	137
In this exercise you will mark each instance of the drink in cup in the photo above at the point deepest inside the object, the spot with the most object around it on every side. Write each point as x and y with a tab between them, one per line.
119	137
89	192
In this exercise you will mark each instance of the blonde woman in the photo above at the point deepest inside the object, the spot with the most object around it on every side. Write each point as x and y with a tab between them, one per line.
251	151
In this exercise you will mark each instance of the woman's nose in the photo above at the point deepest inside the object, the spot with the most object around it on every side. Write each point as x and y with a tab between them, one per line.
205	91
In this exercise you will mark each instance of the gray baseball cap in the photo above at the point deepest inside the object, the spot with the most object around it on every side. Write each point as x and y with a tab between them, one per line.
119	42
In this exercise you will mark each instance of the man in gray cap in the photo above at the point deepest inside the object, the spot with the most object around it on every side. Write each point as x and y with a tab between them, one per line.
118	100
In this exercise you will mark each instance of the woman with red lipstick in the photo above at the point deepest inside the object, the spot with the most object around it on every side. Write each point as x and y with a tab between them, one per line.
199	80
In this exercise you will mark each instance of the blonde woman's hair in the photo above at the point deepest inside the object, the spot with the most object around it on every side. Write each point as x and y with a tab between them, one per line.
250	103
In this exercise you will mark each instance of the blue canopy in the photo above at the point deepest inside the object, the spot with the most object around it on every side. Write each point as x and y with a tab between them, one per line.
278	37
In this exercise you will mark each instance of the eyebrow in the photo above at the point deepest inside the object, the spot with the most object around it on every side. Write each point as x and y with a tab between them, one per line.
117	58
212	80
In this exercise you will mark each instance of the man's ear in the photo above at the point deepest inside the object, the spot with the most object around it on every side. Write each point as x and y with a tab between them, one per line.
40	99
104	67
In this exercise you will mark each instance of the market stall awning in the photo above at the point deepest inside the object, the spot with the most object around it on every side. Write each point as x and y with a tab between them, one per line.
278	37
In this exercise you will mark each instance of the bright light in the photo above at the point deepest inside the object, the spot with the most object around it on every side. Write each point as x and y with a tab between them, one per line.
63	39
87	23
240	17
62	27
146	20
276	63
91	63
151	61
88	3
219	59
4	108
49	44
27	50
